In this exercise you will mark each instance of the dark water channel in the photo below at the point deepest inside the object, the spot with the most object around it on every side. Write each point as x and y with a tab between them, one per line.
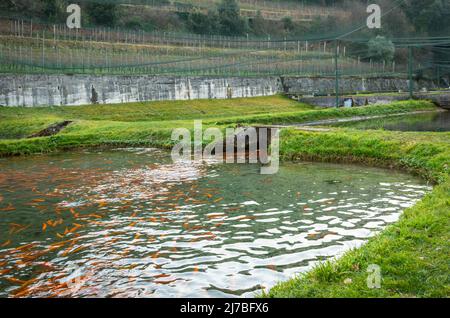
437	122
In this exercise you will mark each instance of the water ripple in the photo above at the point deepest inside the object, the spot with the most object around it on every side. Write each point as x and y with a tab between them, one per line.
129	223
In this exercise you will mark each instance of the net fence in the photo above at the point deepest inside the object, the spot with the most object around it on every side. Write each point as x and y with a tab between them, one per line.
28	46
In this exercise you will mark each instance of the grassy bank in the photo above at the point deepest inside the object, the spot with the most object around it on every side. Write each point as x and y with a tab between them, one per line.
423	153
413	253
19	122
401	107
162	110
151	123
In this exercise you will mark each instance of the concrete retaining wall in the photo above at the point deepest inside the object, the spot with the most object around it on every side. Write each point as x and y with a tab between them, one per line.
330	101
442	100
348	85
44	90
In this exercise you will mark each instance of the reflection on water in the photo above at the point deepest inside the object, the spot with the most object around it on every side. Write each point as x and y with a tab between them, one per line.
130	223
438	122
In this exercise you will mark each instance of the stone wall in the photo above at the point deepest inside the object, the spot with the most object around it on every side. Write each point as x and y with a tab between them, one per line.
330	101
442	100
326	85
43	90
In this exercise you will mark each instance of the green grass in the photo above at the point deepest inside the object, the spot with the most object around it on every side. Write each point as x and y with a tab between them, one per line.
22	127
163	110
151	123
412	254
424	153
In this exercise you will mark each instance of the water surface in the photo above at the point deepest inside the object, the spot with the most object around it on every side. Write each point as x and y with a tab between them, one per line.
437	122
129	223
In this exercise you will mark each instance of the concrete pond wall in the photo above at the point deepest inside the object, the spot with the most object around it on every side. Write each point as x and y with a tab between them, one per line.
45	90
442	100
349	85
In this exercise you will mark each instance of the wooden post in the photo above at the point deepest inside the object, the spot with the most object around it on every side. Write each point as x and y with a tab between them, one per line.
336	66
43	48
410	72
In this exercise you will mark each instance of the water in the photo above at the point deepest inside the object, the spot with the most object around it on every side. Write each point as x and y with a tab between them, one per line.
437	122
129	223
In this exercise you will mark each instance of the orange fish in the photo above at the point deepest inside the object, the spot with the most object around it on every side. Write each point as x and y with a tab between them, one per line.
5	271
215	216
6	243
46	267
164	282
21	291
78	249
74	228
22	228
25	247
10	207
15	281
162	275
247	217
155	255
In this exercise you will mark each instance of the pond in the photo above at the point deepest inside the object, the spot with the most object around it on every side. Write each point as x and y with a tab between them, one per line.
130	223
436	121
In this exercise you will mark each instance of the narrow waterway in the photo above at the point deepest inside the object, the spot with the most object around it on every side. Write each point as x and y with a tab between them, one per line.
435	121
130	223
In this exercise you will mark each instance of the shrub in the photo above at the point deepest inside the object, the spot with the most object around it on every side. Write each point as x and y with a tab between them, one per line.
381	49
102	13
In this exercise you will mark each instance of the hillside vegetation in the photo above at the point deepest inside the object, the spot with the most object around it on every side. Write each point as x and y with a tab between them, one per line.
224	25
